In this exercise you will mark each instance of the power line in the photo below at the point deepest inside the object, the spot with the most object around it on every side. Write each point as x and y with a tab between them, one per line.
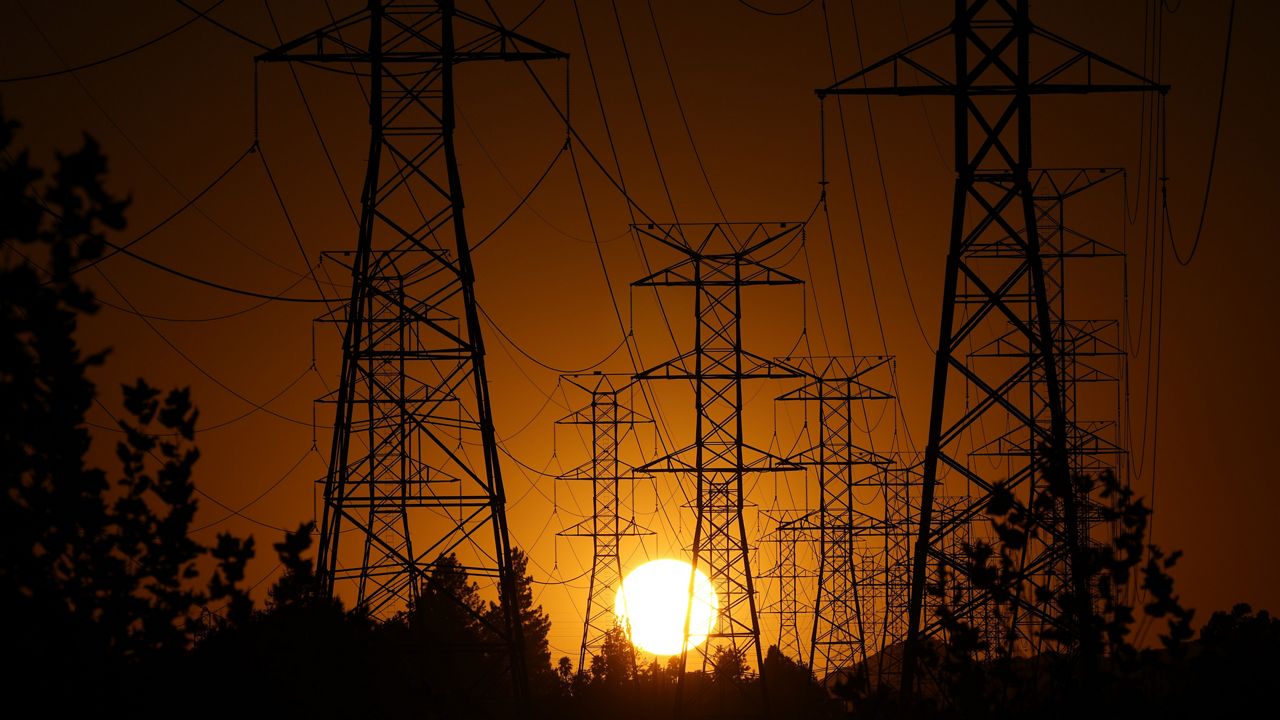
777	13
195	487
102	61
524	198
547	366
260	495
124	249
293	72
246	39
684	120
1213	154
231	31
172	216
278	297
644	115
194	364
230	421
205	319
190	202
848	158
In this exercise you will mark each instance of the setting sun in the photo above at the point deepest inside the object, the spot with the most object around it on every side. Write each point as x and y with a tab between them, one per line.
652	602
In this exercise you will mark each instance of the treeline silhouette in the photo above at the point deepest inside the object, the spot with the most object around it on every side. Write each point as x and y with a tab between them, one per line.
110	606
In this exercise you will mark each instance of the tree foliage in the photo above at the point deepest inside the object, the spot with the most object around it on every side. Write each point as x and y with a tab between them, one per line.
97	571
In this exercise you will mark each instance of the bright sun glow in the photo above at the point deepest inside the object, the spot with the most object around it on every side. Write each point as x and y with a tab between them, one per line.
652	602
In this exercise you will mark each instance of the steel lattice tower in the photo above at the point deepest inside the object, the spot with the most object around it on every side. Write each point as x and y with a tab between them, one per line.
414	472
610	421
992	82
886	572
836	385
1088	353
786	574
719	260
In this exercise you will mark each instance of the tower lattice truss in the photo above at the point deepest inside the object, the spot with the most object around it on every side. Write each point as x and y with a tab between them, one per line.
1011	363
414	473
849	524
609	421
717	261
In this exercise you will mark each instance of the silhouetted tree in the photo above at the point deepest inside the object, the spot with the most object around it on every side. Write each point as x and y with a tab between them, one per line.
97	573
564	677
1087	664
535	627
615	663
793	690
728	664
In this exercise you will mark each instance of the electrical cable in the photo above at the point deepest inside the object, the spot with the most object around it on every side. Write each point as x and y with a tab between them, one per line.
1213	154
260	495
875	301
205	319
132	310
173	215
278	297
102	61
190	202
684	119
195	365
293	228
200	492
632	208
644	114
207	18
776	13
540	363
233	420
267	48
293	72
844	134
523	199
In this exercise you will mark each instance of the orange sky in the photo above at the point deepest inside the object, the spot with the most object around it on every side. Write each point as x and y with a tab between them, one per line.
175	115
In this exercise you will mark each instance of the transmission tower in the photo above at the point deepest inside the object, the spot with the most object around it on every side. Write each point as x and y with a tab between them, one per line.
719	260
987	70
836	386
413	473
885	572
786	575
610	422
1091	361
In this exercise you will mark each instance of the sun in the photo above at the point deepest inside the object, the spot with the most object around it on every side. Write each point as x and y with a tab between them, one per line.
651	605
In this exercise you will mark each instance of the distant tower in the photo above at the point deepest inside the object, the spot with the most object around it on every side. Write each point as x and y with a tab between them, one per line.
718	261
843	520
786	575
1090	357
413	471
995	285
609	421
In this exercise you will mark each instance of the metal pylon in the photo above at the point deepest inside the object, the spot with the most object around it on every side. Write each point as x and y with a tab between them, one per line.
609	420
786	574
843	520
413	473
717	261
991	61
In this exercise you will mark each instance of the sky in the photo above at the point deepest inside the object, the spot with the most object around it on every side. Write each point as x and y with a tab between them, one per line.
713	116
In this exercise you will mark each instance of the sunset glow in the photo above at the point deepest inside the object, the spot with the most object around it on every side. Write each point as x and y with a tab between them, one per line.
652	602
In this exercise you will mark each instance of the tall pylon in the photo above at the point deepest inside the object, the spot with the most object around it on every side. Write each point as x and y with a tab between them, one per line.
610	421
718	261
995	278
414	474
845	468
